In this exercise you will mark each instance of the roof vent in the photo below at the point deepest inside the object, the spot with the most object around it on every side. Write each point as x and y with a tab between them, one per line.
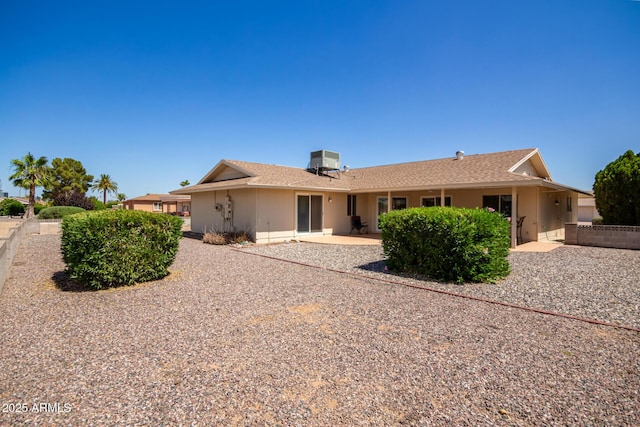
324	160
459	155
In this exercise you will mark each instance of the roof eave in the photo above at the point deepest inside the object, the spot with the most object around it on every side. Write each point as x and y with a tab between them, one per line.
561	187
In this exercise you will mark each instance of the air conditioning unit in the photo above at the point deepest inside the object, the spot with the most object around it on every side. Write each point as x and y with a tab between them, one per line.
324	160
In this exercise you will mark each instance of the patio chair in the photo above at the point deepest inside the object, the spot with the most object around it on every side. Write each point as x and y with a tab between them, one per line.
358	225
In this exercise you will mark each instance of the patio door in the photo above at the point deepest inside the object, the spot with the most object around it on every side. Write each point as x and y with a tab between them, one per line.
309	213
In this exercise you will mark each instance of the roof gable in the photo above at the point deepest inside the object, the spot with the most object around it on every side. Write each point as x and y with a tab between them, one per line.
225	171
532	165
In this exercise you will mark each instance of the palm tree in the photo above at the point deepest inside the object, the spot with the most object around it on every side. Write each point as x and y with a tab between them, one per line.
30	173
121	197
184	183
106	185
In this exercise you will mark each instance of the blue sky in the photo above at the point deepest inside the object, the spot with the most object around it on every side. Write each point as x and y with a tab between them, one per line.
154	93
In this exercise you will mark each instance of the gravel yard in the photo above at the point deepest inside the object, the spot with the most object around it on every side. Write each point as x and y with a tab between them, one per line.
233	338
587	282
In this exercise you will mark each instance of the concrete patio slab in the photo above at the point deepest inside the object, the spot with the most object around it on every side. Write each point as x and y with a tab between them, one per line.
374	239
546	246
354	239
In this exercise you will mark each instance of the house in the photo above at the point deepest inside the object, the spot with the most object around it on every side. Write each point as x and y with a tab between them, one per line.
161	203
277	203
587	209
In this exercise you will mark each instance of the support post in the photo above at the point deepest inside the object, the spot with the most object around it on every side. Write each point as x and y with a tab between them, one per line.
514	217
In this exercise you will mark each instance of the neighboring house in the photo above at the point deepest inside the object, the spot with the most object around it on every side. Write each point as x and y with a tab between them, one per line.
23	200
162	203
587	208
278	203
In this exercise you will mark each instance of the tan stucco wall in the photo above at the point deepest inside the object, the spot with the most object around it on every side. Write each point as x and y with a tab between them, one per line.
528	207
141	206
552	216
147	206
202	213
275	215
205	218
269	215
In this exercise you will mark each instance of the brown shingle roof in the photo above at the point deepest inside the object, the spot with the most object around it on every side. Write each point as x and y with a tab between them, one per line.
472	171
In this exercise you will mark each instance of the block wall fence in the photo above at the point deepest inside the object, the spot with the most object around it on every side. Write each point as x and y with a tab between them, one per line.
10	242
606	236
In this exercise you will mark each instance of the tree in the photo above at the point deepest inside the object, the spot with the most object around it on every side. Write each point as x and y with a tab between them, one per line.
30	173
121	197
106	185
68	177
184	183
73	198
617	190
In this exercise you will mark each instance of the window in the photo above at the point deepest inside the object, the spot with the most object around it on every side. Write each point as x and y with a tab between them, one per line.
428	202
398	203
157	206
351	204
383	205
501	203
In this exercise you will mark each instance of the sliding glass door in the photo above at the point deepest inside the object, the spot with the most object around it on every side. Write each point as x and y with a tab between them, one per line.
309	213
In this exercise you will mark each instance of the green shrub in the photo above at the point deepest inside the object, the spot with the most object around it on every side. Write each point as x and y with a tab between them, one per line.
447	244
110	248
58	212
38	207
11	207
596	221
97	204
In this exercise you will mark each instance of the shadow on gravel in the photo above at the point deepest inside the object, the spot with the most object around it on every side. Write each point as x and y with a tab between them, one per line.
375	266
67	284
192	235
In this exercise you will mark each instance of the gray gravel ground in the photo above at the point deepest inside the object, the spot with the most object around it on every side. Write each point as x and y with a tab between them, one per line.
588	282
231	338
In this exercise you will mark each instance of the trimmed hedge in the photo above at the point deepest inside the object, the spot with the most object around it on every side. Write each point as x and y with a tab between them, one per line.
58	212
110	248
447	244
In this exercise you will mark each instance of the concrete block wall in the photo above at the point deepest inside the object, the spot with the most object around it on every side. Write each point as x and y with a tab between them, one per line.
10	242
4	266
8	248
606	236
